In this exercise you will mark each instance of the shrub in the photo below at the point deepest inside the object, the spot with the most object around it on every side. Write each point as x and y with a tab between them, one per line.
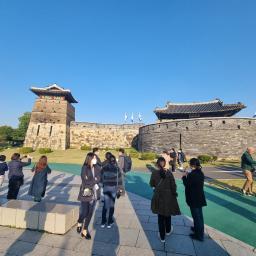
45	150
133	153
1	149
86	147
205	159
214	158
26	150
148	156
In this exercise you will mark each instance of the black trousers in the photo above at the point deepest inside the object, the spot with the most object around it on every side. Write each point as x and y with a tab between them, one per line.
197	215
14	187
109	206
164	225
86	212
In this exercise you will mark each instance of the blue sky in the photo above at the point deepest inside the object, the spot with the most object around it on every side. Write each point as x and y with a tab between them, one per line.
127	55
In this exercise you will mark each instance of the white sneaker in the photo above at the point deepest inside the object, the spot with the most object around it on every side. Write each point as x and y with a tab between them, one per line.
103	226
162	241
168	234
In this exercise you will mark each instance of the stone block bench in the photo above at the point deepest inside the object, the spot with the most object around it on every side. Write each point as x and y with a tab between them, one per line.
43	216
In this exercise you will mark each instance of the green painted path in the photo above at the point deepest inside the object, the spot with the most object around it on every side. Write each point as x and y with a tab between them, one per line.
227	211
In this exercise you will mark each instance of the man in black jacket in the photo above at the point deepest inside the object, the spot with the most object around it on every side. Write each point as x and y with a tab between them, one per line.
195	198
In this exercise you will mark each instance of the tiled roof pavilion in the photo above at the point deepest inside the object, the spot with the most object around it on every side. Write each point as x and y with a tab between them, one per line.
214	108
54	90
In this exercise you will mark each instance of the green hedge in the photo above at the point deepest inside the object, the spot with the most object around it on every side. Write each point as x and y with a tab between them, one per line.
148	156
86	147
133	153
26	150
1	149
207	159
44	150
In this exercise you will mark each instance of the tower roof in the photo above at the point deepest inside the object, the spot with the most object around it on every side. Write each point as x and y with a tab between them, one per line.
200	109
54	90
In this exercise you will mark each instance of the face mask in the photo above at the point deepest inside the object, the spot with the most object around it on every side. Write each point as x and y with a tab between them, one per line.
94	161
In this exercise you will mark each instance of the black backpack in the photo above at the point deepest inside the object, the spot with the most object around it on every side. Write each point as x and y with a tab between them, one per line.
127	164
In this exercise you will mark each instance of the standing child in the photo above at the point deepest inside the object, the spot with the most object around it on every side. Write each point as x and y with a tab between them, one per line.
195	198
3	168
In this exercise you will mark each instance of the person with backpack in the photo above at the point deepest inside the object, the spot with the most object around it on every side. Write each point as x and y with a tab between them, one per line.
111	178
164	201
124	161
195	197
181	159
16	176
3	169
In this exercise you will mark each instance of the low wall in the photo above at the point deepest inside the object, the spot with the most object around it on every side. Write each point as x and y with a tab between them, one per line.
103	135
223	137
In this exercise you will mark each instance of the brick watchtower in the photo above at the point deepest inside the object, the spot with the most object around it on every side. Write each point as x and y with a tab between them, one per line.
52	113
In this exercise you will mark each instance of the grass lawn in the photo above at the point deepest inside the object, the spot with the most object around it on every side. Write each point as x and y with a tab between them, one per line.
73	156
235	184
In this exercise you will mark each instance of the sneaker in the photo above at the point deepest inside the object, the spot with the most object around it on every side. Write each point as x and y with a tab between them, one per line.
195	237
103	225
168	234
110	225
162	241
249	194
243	192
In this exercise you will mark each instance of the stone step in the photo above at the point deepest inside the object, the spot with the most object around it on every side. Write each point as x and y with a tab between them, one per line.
44	216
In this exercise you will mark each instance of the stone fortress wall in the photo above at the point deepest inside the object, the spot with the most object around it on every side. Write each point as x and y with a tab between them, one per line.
225	137
103	135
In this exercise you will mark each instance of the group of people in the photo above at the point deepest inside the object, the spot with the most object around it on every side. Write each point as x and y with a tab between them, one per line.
16	177
106	180
172	157
164	202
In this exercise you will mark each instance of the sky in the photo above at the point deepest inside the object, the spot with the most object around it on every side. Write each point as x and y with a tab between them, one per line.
127	55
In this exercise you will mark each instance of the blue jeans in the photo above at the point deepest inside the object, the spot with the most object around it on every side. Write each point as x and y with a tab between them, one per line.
197	215
109	204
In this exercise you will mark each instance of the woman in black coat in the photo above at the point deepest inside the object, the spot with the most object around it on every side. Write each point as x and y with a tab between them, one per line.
89	193
164	201
195	198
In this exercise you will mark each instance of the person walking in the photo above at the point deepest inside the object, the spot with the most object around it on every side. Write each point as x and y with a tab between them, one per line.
89	194
164	201
39	182
195	197
181	159
112	189
173	162
248	165
3	169
16	176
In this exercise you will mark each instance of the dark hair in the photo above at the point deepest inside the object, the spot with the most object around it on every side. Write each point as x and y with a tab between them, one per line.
88	159
108	155
15	156
173	149
195	163
2	158
165	152
95	150
159	160
121	150
112	159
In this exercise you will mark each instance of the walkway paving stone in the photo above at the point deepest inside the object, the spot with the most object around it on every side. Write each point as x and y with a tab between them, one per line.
135	231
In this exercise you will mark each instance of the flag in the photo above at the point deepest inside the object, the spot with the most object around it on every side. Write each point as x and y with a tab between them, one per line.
254	115
132	118
125	117
140	117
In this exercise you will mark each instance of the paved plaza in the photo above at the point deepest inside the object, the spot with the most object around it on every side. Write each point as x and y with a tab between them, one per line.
135	232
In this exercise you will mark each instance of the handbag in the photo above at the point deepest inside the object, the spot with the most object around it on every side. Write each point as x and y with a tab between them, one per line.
87	192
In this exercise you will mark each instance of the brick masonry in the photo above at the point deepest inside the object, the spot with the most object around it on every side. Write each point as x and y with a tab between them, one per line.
103	135
223	137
